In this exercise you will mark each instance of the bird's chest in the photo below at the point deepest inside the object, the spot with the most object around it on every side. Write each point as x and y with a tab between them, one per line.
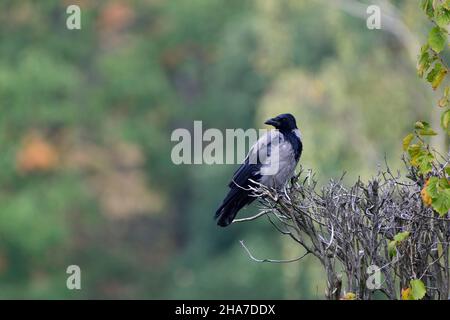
280	168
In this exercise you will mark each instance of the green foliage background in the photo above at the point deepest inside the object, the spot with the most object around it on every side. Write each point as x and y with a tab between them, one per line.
106	99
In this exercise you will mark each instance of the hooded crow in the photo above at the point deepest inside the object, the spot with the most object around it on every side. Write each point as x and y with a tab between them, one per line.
271	161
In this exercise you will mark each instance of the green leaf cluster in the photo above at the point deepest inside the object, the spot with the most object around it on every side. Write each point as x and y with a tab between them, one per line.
439	191
420	156
431	65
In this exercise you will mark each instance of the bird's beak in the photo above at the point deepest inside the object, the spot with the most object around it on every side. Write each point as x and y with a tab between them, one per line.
273	122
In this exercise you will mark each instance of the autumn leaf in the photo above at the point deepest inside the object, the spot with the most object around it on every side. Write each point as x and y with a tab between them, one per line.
407	141
443	102
419	156
349	296
426	198
436	75
424	60
420	124
415	291
406	294
439	78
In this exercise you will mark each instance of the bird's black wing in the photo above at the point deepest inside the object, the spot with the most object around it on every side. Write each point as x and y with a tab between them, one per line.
252	163
251	167
243	173
239	194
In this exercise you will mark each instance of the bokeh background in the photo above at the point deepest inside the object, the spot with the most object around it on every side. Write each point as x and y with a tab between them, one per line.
86	116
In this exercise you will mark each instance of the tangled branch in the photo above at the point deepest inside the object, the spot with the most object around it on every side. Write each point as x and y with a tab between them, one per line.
349	229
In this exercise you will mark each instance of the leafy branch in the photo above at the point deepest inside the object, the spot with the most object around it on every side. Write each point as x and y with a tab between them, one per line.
432	66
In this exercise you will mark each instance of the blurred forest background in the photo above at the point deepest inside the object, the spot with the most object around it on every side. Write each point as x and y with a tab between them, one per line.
86	117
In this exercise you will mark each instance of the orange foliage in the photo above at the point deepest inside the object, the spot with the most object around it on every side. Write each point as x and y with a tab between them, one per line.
36	154
406	294
424	193
115	16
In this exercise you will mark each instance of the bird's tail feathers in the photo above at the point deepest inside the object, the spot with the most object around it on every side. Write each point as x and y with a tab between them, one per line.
229	208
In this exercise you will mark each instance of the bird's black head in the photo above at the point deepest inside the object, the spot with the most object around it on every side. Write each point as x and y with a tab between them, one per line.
285	122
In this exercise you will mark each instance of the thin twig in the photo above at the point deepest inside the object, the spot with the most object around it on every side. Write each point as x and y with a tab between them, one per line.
270	260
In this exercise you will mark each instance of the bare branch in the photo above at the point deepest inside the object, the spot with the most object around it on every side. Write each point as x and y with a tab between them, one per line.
256	216
270	260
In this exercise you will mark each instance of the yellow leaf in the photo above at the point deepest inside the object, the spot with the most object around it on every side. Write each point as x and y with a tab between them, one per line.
438	79
426	198
349	296
419	125
407	141
443	102
406	294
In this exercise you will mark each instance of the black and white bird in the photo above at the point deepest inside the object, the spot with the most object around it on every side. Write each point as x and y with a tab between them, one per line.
271	161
